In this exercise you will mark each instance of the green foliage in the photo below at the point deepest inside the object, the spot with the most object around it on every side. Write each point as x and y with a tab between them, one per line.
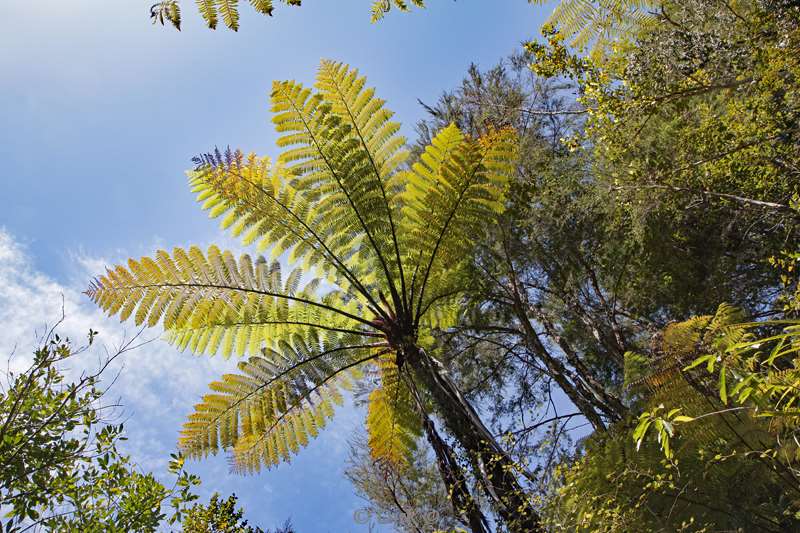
753	375
601	24
721	402
60	466
691	138
615	487
381	7
412	498
219	516
166	11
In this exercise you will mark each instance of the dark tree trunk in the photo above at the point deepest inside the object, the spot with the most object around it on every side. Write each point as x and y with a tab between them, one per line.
463	503
496	471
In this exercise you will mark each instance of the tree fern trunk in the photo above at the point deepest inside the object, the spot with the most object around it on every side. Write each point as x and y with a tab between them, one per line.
463	503
496	470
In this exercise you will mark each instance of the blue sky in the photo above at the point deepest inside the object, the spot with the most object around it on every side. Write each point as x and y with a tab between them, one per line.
100	114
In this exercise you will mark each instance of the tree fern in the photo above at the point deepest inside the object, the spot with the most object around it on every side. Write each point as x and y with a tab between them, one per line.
386	246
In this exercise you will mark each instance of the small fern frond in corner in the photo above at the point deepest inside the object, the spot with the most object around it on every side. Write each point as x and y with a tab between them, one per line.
166	11
385	247
379	8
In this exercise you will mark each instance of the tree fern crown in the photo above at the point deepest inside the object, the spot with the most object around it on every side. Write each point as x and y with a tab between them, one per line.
380	242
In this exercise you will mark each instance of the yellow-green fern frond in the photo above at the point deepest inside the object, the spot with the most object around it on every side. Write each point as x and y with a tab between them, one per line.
229	9
166	11
261	205
381	7
264	7
379	154
393	424
208	10
342	160
280	400
453	192
210	302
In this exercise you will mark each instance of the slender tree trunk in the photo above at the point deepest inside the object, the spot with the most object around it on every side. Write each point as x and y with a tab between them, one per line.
463	502
588	394
497	471
453	476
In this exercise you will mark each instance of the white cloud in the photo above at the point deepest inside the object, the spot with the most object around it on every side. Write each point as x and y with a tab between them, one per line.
157	385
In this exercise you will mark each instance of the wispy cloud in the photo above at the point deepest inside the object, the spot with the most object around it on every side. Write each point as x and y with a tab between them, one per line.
158	385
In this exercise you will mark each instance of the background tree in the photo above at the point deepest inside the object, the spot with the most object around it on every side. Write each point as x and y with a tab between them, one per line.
60	468
222	516
412	498
687	134
596	259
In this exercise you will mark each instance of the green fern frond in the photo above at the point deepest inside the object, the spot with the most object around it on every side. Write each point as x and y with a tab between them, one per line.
210	302
264	7
393	425
381	153
280	400
379	8
457	186
599	24
333	160
208	10
166	11
229	9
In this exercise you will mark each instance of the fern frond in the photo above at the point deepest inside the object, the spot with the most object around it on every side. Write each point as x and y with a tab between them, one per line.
264	7
166	10
210	302
229	9
596	25
327	160
379	8
393	425
280	400
208	10
457	187
261	205
381	153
